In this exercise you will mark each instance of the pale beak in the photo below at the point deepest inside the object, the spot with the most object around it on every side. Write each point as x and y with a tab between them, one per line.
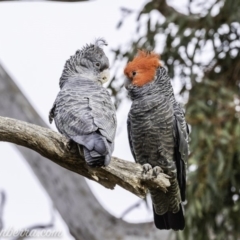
127	82
104	76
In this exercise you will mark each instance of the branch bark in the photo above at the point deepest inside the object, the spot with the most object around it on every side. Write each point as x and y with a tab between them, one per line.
53	146
71	1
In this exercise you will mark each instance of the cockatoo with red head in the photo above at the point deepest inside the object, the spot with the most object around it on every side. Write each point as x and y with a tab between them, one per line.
158	135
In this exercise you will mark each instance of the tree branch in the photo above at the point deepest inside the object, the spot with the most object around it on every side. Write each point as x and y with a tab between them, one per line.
167	11
191	20
71	1
53	146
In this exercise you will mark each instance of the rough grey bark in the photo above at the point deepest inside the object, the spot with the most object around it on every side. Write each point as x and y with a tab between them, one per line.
69	192
71	1
54	146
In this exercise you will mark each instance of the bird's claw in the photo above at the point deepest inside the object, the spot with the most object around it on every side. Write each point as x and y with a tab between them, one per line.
70	144
147	171
150	172
146	168
157	170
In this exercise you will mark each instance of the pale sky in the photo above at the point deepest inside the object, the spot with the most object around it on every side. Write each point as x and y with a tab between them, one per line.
36	40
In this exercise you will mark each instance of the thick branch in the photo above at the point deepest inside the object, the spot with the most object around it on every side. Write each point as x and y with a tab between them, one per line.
53	146
44	0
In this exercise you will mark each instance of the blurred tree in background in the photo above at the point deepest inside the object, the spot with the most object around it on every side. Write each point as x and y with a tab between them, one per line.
200	48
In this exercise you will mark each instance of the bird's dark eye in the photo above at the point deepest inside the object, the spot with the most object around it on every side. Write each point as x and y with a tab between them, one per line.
97	64
134	73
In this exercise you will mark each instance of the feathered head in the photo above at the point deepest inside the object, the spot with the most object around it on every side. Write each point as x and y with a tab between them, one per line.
142	68
90	60
92	53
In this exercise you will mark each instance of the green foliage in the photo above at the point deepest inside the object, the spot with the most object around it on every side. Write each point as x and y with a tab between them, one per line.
202	50
213	189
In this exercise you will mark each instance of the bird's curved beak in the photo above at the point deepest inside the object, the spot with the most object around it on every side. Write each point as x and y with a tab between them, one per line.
104	76
127	82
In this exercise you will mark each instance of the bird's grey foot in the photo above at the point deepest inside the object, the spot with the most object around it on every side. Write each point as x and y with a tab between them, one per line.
157	170
146	167
150	172
70	144
80	150
147	171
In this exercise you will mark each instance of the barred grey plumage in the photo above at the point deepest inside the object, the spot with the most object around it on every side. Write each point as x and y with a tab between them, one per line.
158	135
83	110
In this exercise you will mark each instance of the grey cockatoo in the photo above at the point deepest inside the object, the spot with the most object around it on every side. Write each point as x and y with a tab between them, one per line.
158	135
83	110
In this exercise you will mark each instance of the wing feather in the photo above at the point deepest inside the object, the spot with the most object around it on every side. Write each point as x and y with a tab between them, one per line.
130	138
85	114
181	154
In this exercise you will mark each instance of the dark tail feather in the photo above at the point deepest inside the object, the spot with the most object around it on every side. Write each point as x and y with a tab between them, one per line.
96	149
170	220
92	161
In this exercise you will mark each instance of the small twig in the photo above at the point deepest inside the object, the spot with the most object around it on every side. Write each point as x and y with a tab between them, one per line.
135	205
27	231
